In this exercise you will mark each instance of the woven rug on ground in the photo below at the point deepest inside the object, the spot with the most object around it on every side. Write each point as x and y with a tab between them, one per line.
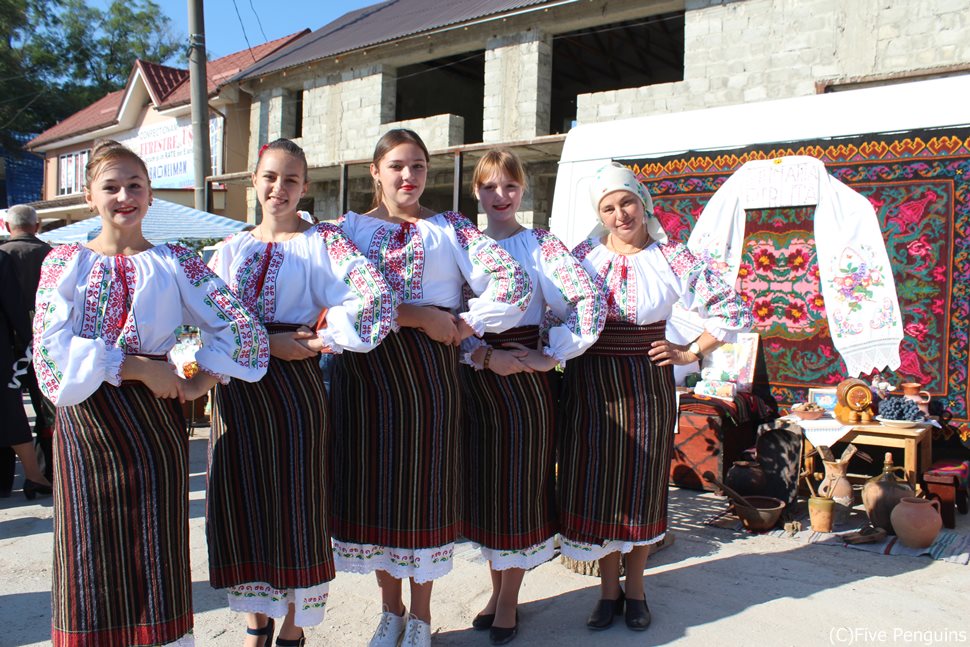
919	184
950	545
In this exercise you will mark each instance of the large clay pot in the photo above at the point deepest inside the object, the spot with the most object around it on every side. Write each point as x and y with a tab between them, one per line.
747	478
881	493
917	521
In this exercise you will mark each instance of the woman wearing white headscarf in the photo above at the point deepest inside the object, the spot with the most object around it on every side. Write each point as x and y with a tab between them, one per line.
618	399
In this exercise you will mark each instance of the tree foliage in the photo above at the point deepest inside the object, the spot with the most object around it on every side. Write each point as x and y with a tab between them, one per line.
58	56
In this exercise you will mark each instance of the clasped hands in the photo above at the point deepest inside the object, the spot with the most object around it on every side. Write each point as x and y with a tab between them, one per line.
160	377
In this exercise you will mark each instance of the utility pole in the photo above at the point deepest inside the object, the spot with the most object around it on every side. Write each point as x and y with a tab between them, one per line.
200	105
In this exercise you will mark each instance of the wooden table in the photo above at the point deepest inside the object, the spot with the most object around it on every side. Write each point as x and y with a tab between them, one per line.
916	443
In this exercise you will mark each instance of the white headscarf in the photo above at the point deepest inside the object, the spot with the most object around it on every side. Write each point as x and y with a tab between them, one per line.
616	177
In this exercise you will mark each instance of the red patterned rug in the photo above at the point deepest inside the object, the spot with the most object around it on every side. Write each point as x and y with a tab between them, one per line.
919	184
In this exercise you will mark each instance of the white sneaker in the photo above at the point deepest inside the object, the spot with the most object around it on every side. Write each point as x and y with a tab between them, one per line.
417	633
388	632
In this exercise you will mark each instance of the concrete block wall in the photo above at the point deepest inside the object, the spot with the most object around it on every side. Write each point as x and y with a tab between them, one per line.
755	50
518	86
439	131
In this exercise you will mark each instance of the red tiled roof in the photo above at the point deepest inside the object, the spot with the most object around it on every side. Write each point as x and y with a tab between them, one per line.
100	114
168	86
161	79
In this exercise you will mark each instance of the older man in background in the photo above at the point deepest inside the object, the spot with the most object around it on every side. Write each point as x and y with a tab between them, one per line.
27	253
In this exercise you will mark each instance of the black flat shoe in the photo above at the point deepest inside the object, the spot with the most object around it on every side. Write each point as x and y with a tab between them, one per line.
637	615
602	616
33	488
266	630
502	635
287	642
483	621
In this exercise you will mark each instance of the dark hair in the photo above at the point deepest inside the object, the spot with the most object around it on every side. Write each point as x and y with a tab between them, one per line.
108	150
388	142
498	160
287	146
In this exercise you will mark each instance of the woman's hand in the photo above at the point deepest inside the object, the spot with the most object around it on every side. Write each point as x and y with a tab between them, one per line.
464	330
291	346
503	362
534	359
439	325
158	375
666	353
198	385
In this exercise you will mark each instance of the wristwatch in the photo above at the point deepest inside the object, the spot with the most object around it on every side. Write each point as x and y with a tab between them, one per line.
695	348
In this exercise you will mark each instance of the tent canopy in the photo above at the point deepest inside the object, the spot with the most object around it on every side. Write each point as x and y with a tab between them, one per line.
165	222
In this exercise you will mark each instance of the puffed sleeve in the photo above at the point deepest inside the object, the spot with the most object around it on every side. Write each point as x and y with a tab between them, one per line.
58	350
571	297
234	342
221	260
705	292
361	305
503	289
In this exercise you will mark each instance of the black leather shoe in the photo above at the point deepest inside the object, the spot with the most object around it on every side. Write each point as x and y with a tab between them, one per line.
483	621
637	615
33	488
502	635
602	616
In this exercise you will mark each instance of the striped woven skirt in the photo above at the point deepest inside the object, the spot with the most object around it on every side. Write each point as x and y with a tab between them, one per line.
121	525
266	511
617	422
396	414
508	453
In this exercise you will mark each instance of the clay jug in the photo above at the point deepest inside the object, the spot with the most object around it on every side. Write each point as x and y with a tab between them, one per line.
912	391
835	485
747	478
881	493
917	521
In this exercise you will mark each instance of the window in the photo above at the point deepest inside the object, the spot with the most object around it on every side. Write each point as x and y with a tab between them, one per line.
70	172
293	114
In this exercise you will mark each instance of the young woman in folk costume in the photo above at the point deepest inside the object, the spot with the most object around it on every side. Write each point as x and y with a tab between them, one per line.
267	510
397	411
618	399
106	316
510	398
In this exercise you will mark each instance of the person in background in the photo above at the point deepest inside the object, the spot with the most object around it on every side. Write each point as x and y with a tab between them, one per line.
618	399
106	316
27	253
510	398
397	409
14	338
267	502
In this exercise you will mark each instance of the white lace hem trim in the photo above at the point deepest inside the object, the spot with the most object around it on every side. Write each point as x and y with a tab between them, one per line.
583	552
526	559
422	564
259	597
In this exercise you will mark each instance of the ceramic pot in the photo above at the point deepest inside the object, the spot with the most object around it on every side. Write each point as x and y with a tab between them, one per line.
880	495
912	391
837	487
917	521
821	512
747	478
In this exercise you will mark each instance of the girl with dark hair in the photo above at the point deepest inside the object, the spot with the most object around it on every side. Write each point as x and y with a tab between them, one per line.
267	512
106	316
397	410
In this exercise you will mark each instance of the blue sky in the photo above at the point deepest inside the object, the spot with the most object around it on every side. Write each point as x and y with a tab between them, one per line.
226	32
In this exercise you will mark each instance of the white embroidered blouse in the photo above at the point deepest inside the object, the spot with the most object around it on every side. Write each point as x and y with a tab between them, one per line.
642	288
565	300
291	281
93	310
427	263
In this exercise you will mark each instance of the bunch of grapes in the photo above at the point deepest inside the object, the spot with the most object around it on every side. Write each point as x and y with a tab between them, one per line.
900	409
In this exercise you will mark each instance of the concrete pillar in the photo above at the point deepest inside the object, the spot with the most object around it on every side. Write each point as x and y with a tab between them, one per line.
518	86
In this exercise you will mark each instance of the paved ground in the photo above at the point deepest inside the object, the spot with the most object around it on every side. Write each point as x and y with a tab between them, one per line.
711	587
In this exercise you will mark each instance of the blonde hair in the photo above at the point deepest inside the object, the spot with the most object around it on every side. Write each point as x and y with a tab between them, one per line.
498	160
108	150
